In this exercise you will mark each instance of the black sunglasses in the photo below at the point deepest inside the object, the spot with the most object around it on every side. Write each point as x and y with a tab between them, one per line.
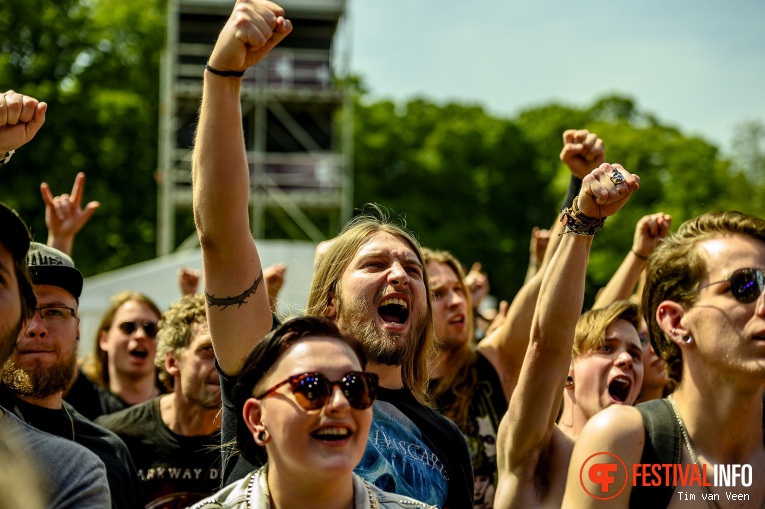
313	390
746	285
128	328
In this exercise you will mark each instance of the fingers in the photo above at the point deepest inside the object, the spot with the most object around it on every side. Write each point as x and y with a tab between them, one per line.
599	190
77	188
89	210
37	121
62	206
47	195
476	267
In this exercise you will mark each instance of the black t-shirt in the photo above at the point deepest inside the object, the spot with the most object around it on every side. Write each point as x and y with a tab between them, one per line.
120	470
92	400
412	450
484	415
175	471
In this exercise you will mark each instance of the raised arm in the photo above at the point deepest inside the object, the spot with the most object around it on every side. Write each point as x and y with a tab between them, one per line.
64	215
649	232
527	426
506	347
238	310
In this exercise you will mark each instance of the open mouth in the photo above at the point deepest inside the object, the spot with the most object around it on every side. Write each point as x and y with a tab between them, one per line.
331	434
619	389
457	320
394	311
140	354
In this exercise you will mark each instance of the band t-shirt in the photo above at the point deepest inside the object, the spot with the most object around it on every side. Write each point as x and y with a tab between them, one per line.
67	423
484	415
415	451
175	471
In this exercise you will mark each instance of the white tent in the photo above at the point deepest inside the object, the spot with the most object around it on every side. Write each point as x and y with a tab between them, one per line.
158	279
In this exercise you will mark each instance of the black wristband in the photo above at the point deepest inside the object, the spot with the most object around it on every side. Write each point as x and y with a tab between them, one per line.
574	186
226	74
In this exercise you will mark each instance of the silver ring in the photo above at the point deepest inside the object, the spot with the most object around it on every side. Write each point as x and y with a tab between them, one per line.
616	177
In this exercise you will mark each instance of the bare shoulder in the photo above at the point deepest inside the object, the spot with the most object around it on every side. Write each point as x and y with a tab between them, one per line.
610	443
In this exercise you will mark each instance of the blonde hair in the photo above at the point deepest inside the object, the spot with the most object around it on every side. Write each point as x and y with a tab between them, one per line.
460	376
330	267
675	269
592	326
95	365
175	330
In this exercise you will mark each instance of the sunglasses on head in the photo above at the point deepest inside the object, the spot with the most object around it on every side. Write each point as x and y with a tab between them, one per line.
149	328
746	285
313	390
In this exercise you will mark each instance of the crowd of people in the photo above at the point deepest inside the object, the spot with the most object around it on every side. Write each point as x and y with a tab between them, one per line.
395	389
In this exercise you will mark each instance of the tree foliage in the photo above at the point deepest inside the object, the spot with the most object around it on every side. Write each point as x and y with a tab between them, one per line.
466	180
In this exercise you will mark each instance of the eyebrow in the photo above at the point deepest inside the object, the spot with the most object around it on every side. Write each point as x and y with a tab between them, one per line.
383	254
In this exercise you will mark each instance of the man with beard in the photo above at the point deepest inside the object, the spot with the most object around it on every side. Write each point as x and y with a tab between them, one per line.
174	438
43	363
372	281
73	476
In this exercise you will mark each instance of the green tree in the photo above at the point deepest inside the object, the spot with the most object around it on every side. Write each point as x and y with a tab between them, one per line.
96	64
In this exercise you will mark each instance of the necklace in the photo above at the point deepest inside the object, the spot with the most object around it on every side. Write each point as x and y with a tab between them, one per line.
710	499
70	418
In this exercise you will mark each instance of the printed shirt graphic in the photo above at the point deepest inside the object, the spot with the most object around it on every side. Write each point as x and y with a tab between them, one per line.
397	459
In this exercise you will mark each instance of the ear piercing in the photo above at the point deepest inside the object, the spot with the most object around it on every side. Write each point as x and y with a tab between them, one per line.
569	382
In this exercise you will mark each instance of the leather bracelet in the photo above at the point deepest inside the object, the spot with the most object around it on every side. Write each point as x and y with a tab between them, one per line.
225	74
6	157
579	224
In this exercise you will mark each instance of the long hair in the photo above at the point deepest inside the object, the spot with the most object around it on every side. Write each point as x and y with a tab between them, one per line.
460	376
96	364
330	268
675	269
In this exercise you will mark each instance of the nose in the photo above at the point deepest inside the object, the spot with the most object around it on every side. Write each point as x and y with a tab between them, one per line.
337	403
397	275
36	326
456	299
624	360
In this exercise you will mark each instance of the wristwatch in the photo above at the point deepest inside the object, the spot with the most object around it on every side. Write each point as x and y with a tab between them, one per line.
6	158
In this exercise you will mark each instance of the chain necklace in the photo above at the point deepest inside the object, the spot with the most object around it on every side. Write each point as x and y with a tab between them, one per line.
711	501
70	418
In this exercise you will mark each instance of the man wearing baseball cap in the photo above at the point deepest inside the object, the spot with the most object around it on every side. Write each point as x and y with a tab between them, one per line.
43	364
72	476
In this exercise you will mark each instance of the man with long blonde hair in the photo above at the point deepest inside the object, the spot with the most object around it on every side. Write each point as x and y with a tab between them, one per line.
371	281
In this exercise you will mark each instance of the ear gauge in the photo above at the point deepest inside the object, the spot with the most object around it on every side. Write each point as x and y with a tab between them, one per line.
685	339
264	437
569	382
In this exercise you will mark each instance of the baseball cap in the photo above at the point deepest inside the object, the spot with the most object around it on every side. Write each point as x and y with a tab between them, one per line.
14	234
49	266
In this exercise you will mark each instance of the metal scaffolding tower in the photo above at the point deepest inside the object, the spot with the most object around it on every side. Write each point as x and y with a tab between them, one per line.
297	123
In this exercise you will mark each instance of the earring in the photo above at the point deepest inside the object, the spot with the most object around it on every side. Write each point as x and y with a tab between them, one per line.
569	382
264	437
688	339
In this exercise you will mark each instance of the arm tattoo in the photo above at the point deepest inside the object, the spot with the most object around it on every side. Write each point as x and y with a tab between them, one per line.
240	299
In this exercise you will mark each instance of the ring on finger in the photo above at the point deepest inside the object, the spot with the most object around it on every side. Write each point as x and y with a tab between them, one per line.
616	177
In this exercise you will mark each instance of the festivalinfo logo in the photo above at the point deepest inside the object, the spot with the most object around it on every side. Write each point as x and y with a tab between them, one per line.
610	476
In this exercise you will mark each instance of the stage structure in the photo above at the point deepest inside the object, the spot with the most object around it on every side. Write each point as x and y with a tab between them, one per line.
297	123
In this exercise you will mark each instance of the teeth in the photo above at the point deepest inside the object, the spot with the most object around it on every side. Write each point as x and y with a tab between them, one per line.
400	302
332	431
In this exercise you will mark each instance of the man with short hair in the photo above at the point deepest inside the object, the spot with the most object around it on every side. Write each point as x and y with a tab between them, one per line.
74	477
371	281
174	438
43	363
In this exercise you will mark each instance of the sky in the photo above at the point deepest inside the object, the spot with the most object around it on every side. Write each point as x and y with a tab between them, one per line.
698	65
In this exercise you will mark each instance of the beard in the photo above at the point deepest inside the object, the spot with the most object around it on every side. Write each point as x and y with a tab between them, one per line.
8	339
40	381
381	347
